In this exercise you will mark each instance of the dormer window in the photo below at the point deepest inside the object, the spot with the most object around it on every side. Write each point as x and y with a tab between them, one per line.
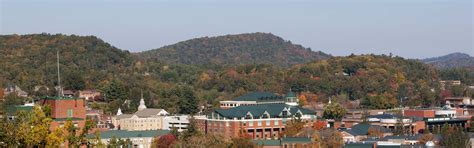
284	114
248	116
265	115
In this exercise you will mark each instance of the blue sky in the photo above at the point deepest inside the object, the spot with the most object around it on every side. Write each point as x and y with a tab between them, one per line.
408	28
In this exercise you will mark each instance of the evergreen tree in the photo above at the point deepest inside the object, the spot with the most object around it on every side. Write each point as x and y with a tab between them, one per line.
188	103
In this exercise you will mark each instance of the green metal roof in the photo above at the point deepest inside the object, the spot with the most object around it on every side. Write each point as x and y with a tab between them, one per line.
290	94
129	134
363	129
267	142
257	110
13	109
295	140
258	96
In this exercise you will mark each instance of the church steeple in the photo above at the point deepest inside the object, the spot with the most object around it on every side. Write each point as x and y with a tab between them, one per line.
142	104
119	112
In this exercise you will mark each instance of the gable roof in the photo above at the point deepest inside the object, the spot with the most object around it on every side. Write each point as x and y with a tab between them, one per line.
257	110
259	97
267	142
123	116
147	112
363	129
13	109
295	140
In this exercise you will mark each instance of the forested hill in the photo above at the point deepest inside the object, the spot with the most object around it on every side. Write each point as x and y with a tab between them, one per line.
89	62
453	60
251	48
30	60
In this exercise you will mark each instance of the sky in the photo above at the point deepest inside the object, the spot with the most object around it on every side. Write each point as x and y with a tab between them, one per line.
407	28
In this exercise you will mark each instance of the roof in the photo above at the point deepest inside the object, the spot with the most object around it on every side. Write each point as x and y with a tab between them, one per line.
129	134
363	129
359	145
123	116
267	142
383	116
12	109
273	110
147	112
258	96
436	137
290	94
68	92
295	140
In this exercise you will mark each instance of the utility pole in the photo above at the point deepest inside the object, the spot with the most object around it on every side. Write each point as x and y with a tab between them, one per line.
60	89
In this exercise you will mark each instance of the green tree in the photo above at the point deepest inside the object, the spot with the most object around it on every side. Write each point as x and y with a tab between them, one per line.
192	129
114	90
71	132
334	111
188	103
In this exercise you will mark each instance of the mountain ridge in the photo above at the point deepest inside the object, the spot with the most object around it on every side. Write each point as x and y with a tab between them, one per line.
247	48
452	60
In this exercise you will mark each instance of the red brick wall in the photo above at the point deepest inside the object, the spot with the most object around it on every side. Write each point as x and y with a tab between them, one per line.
419	125
420	113
59	109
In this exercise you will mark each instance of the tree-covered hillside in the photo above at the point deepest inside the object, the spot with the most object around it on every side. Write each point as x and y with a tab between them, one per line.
453	60
88	62
85	61
252	48
377	81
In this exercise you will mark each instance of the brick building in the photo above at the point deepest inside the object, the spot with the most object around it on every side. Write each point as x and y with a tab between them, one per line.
66	108
259	120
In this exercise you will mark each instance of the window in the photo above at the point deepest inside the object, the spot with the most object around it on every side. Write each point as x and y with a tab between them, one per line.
259	123
284	114
267	123
248	116
69	113
276	122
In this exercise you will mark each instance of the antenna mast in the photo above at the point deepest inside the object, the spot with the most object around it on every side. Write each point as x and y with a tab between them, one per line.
60	89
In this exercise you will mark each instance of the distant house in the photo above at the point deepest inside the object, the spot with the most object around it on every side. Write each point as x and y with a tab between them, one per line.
13	109
360	132
68	93
16	90
89	95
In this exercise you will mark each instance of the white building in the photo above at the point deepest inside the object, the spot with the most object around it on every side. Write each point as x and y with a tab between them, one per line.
143	119
149	119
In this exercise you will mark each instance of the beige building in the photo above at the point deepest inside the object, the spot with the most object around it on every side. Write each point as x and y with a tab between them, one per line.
143	119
